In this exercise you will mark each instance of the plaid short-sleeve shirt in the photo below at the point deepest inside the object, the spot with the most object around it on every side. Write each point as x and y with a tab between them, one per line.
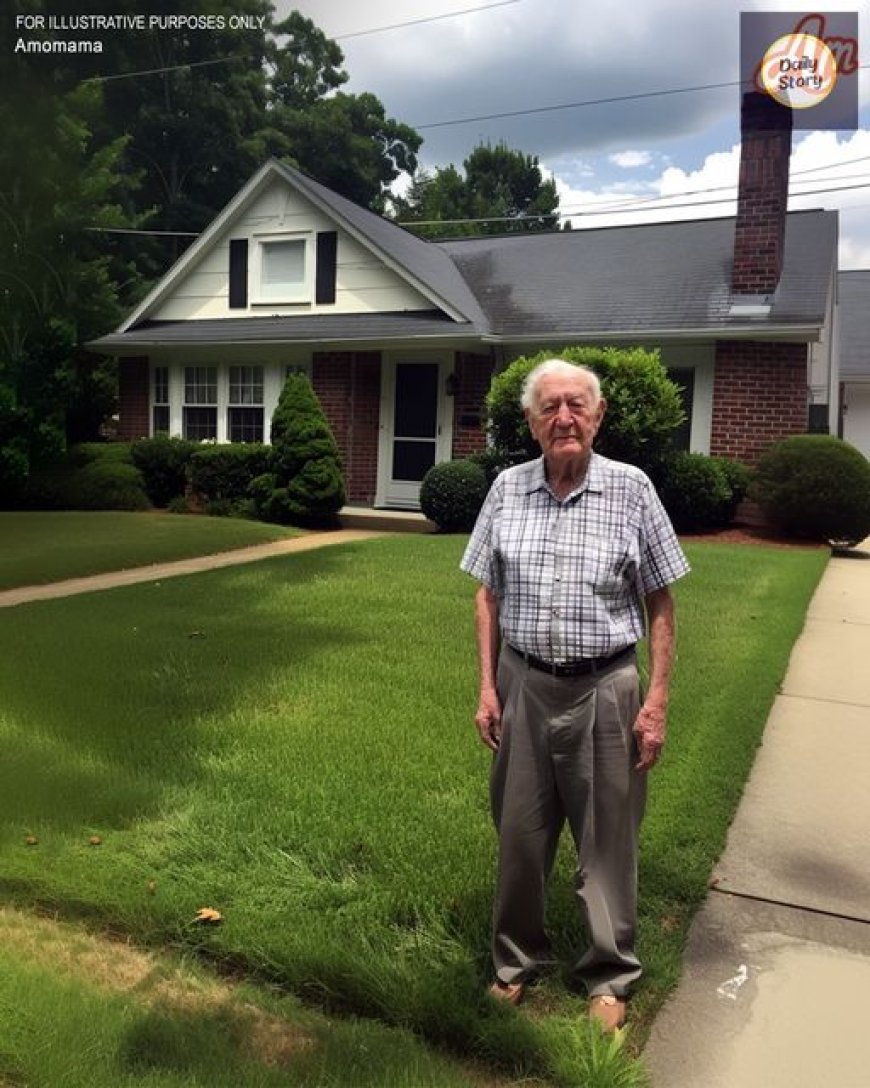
570	575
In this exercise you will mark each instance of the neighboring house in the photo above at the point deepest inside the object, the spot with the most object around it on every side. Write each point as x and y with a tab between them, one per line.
853	326
401	336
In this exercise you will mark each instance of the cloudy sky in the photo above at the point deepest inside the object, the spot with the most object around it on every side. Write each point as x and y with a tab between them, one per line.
447	76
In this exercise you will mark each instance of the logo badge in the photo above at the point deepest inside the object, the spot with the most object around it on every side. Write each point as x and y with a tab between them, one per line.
799	70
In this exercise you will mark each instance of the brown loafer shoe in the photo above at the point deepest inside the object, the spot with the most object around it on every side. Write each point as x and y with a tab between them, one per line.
608	1011
510	992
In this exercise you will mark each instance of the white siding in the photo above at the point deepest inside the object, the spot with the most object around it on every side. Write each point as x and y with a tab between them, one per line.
856	416
364	284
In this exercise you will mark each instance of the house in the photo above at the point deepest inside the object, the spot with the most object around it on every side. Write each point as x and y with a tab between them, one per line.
401	336
853	329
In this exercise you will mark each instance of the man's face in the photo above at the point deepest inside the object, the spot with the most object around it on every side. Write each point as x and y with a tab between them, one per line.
565	418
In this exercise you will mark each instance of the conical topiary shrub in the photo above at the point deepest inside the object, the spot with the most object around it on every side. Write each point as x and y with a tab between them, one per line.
305	485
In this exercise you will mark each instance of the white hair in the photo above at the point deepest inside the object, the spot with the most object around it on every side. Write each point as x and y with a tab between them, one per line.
563	368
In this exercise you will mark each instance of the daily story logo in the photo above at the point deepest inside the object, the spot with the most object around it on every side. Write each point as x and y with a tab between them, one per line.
800	69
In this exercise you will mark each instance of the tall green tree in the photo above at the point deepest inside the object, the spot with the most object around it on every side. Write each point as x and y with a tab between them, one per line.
345	141
56	284
502	191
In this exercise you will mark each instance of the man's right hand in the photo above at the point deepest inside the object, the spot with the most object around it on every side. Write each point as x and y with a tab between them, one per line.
488	719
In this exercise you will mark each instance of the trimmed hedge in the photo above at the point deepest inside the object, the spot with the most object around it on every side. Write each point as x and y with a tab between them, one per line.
163	462
224	473
815	487
452	494
696	492
104	484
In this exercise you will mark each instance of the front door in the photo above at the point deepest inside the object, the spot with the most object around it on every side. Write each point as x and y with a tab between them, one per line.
416	426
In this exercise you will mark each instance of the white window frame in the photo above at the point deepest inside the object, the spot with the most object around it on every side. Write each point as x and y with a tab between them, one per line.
245	404
301	293
215	404
164	401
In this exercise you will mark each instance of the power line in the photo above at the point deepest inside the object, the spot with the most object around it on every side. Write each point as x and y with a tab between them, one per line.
337	37
587	102
160	71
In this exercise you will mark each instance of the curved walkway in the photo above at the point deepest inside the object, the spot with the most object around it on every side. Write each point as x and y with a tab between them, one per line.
112	579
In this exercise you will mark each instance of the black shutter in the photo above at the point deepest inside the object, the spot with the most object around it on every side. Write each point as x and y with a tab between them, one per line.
238	273
327	246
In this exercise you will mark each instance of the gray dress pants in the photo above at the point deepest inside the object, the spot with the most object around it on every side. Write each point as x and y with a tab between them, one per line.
567	753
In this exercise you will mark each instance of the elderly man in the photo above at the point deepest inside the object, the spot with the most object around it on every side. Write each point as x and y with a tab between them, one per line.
574	553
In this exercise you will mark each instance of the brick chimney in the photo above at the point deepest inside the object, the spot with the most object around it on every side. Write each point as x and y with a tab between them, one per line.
759	238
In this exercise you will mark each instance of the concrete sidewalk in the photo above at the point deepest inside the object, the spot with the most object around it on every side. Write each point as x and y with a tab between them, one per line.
777	970
159	571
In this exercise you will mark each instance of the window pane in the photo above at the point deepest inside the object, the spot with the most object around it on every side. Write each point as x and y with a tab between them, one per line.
416	400
282	268
246	385
161	385
200	385
245	424
412	460
685	379
200	424
160	423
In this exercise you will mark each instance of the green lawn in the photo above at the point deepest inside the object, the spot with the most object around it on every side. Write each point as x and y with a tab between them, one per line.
291	743
38	547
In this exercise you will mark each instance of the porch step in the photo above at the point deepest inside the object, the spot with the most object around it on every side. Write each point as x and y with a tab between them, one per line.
390	521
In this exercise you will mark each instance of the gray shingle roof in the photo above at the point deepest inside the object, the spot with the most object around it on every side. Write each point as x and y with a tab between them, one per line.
854	324
639	279
329	328
606	284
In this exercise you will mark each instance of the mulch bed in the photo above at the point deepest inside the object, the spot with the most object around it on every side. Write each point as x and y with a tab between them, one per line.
748	534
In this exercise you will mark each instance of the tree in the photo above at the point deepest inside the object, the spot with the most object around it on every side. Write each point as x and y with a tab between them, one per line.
56	286
345	141
503	191
305	485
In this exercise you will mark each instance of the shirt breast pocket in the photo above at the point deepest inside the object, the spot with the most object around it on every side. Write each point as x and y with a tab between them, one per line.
614	570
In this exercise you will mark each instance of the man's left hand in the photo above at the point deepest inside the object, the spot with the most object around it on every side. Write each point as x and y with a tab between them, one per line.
649	729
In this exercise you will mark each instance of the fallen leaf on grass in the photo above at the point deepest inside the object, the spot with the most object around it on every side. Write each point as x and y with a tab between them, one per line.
208	916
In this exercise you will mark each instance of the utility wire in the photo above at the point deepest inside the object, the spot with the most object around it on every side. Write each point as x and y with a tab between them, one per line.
588	102
337	37
584	210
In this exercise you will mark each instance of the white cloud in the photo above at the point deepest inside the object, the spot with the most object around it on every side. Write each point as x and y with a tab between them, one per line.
629	159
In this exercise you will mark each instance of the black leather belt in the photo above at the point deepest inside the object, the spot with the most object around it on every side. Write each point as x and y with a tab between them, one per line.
583	667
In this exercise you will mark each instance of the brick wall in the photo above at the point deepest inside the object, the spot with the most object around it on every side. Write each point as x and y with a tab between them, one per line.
473	375
759	396
348	385
133	419
759	236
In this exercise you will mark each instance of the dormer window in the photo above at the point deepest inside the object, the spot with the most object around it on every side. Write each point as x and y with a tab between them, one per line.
282	269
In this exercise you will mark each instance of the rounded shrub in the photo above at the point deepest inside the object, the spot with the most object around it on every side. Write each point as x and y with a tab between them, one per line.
107	485
815	487
452	494
695	491
163	463
643	405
